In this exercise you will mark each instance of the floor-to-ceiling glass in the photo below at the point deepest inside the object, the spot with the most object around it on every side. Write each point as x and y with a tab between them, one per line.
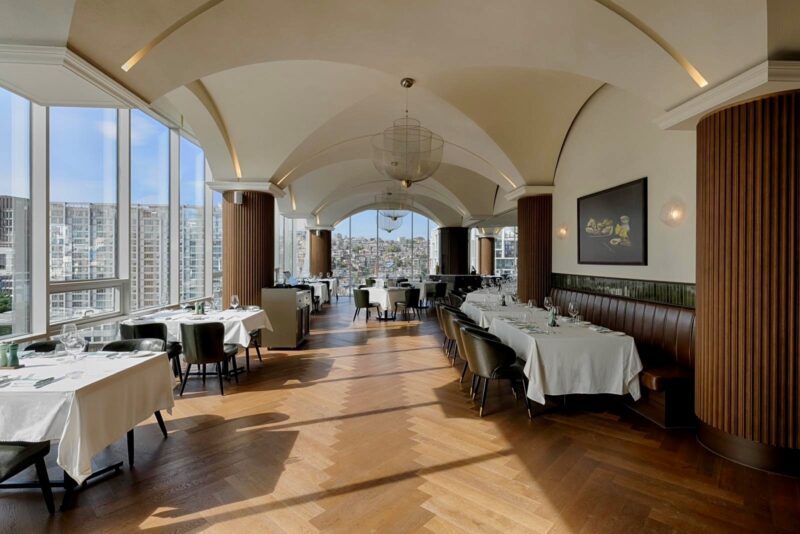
216	246
15	218
192	221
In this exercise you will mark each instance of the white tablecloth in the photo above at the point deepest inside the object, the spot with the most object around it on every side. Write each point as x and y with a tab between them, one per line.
483	314
334	283
95	406
238	323
386	297
426	289
321	291
490	296
572	359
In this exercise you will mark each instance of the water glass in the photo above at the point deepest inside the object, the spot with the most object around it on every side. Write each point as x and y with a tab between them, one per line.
235	302
573	310
548	303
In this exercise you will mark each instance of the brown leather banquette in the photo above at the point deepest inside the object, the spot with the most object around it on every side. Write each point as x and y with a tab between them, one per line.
664	337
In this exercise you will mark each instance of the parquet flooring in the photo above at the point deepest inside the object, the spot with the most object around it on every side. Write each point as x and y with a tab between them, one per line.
366	429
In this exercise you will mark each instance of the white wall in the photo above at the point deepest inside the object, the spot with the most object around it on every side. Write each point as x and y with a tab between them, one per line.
614	141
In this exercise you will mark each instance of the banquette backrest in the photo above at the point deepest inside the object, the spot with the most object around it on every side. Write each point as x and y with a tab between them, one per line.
664	334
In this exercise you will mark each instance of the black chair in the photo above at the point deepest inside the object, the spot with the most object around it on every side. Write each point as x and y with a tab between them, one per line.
155	331
131	345
254	342
370	282
203	344
492	360
448	316
361	300
440	292
409	302
461	327
43	346
16	456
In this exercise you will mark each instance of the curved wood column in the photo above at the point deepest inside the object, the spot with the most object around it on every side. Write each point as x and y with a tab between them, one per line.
454	250
748	282
319	251
486	255
534	247
248	248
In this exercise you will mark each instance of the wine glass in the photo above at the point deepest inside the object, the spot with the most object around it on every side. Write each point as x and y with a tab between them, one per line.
74	345
69	329
531	303
573	310
235	302
548	303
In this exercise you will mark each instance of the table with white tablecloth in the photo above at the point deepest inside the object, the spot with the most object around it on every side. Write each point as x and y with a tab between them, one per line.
488	296
386	297
426	289
321	291
334	286
571	358
483	314
90	404
238	323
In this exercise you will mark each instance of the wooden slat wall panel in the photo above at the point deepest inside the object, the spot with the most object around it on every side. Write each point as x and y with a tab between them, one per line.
534	252
248	235
454	250
320	251
486	255
748	271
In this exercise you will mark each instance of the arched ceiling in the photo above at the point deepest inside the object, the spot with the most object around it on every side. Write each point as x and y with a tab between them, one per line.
292	90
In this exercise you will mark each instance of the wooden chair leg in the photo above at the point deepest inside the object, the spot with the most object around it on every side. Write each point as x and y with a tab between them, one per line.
130	448
44	483
219	375
185	378
160	421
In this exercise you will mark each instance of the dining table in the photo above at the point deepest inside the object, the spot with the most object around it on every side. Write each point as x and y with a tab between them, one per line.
571	358
333	284
386	299
321	291
427	288
85	403
238	323
491	296
484	313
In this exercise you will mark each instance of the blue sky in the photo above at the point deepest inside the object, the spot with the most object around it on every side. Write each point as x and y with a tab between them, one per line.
149	160
14	145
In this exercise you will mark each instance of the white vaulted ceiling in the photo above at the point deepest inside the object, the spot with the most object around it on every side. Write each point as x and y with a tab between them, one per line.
293	89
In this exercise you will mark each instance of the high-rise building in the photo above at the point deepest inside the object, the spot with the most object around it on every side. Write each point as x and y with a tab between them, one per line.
149	263
14	265
192	245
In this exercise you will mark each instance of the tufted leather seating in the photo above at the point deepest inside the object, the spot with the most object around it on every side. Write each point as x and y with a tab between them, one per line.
664	337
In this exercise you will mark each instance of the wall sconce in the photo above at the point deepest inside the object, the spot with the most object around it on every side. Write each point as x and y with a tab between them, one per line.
673	212
562	232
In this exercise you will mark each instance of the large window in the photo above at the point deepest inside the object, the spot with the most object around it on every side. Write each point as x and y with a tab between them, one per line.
505	251
360	249
149	259
15	204
216	244
83	207
192	221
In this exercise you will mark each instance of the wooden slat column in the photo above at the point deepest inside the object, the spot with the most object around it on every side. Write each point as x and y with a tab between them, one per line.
247	246
486	255
534	247
454	250
320	251
748	282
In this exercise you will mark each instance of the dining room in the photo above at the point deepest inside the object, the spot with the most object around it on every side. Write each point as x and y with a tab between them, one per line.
403	267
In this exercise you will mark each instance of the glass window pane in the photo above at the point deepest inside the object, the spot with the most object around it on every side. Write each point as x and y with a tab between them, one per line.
149	262
340	256
395	250
15	276
192	221
73	305
364	251
216	244
83	193
300	260
505	247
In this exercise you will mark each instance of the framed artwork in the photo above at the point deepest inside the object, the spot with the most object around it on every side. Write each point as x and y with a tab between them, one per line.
612	225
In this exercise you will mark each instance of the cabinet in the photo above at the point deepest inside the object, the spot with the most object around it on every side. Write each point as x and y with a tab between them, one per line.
289	312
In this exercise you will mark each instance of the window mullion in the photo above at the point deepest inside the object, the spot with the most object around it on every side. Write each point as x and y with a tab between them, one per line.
40	206
174	216
124	206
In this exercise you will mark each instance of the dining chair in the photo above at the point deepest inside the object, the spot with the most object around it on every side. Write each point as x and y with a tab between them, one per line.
492	360
461	327
204	344
361	300
43	346
410	302
370	282
132	345
448	316
16	456
254	336
440	292
155	330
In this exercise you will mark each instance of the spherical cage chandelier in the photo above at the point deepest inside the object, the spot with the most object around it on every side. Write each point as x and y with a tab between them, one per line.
389	224
407	151
393	205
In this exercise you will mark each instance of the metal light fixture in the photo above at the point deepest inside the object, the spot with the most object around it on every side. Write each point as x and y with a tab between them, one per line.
673	212
562	232
388	224
407	151
392	205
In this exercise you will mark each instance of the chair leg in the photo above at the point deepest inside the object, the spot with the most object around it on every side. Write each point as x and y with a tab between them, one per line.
185	378
463	372
356	313
235	369
258	352
130	448
44	483
483	398
477	387
204	374
514	390
219	375
247	358
527	400
160	421
176	368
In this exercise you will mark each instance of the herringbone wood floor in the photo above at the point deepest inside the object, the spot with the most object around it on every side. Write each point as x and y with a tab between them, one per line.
367	429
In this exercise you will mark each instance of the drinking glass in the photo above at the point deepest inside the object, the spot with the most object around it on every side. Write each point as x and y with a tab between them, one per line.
235	302
573	310
74	345
531	303
69	329
548	303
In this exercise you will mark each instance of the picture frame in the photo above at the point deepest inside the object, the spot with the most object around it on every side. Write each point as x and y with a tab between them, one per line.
612	225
